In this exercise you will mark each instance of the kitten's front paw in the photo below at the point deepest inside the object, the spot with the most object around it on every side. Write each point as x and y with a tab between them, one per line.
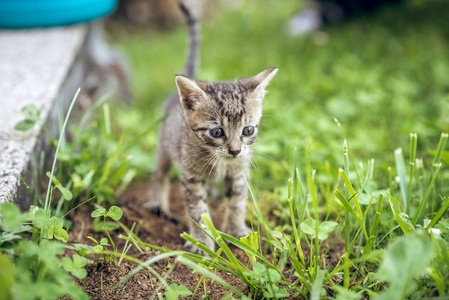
155	208
194	249
238	232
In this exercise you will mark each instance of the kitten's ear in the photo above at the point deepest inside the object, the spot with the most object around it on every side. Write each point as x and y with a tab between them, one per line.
260	81
190	94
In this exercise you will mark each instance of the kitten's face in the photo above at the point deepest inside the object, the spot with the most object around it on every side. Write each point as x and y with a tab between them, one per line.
225	115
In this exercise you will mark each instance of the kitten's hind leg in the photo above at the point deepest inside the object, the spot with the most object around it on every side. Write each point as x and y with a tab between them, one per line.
160	186
235	212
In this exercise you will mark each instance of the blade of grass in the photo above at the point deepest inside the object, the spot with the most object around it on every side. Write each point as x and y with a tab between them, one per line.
61	137
164	281
236	264
405	224
146	265
400	167
424	199
300	268
315	294
209	274
352	192
292	220
259	215
107	119
110	162
211	253
36	200
246	248
93	108
387	234
421	178
413	145
438	214
351	210
440	149
374	228
349	152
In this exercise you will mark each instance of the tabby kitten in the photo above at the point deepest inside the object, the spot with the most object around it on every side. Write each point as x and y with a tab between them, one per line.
208	130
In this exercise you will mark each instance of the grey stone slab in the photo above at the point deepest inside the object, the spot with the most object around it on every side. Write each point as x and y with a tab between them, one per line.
44	67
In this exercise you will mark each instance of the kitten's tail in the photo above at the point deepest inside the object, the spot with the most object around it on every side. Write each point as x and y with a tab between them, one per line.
192	60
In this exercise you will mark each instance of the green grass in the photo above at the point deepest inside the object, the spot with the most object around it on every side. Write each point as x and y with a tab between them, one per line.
347	99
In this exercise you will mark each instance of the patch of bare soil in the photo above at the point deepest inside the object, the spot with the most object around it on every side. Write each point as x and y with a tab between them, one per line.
159	231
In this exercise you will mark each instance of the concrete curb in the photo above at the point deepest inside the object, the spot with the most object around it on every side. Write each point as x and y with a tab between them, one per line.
44	67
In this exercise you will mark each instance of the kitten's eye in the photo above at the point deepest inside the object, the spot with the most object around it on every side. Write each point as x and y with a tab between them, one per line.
248	130
216	132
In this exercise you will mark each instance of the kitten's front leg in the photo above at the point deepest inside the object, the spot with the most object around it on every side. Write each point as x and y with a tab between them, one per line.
235	192
194	193
160	186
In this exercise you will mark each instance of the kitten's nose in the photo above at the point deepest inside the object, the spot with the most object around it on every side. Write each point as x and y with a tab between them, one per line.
234	152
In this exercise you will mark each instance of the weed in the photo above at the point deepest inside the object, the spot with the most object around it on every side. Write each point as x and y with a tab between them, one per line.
35	271
114	213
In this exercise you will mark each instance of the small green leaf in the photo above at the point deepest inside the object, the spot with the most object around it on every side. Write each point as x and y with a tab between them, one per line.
115	212
325	229
251	240
177	290
65	192
406	259
98	249
272	276
76	267
344	294
375	256
259	268
56	222
5	237
40	217
25	125
54	229
67	264
98	213
82	249
80	273
61	234
6	277
322	231
79	261
104	241
12	217
275	292
402	219
93	239
309	226
55	180
31	112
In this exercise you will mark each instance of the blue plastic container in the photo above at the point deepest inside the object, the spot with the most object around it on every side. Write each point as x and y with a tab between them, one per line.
45	13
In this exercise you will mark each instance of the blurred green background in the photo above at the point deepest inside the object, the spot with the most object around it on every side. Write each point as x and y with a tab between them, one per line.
383	76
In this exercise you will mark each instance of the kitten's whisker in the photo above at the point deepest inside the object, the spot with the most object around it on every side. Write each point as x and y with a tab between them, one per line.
254	165
208	164
255	151
216	159
194	154
267	107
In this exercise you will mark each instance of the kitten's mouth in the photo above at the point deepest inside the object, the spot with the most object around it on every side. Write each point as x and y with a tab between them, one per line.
232	157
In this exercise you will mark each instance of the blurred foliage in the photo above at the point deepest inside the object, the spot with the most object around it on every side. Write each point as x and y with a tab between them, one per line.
383	76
